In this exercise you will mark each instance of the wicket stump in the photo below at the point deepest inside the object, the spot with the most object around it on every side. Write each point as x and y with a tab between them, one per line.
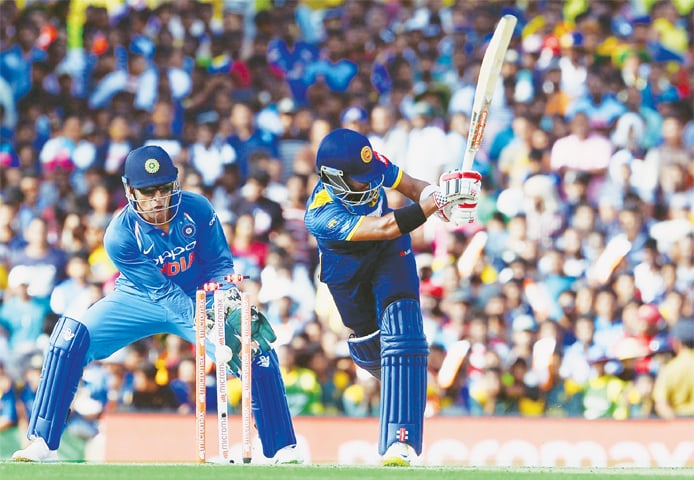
221	373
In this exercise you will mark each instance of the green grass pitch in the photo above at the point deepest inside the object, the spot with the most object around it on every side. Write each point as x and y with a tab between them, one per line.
107	471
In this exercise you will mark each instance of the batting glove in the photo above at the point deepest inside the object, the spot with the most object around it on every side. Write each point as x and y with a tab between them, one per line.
439	198
461	190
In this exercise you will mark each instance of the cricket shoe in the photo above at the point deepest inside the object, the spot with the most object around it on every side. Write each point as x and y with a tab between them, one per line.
36	451
287	456
397	455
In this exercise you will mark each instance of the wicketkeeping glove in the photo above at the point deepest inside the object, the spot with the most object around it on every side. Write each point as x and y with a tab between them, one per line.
261	330
262	334
234	342
461	190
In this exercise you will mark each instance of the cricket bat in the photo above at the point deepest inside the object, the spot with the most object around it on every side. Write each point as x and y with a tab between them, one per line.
452	363
609	259
472	253
486	83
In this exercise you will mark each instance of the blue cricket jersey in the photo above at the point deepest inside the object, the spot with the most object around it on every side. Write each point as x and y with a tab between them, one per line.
333	224
169	267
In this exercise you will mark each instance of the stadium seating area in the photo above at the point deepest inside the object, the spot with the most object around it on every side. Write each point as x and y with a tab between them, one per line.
560	301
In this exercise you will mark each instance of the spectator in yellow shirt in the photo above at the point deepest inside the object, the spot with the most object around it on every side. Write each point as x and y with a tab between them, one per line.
673	392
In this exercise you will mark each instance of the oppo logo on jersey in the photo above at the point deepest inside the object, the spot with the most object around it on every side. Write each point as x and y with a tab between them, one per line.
176	260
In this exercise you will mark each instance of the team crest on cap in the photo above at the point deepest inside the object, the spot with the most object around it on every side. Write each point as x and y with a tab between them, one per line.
366	154
152	165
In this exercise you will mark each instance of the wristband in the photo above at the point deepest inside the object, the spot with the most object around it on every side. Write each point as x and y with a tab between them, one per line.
428	190
410	217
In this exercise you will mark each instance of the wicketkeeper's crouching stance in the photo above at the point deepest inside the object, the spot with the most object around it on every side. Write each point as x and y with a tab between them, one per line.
368	265
166	243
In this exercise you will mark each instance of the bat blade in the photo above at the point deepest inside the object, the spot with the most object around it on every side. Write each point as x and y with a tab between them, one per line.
609	259
472	253
486	84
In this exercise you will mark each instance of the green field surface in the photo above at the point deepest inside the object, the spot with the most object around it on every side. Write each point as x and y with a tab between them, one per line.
87	471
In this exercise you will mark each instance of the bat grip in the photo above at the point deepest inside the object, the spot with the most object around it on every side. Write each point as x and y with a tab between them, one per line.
468	160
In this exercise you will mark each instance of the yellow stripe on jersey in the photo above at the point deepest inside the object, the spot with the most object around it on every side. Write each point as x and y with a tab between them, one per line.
351	234
319	199
397	180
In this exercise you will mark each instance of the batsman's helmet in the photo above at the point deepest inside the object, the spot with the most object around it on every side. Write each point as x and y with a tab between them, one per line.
150	166
346	154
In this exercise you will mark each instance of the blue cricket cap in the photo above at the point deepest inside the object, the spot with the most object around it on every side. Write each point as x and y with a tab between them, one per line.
351	152
148	166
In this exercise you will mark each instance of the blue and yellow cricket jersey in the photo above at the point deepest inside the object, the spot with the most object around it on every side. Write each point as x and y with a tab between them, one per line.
333	224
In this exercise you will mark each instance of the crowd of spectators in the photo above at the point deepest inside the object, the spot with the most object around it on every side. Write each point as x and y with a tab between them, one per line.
569	295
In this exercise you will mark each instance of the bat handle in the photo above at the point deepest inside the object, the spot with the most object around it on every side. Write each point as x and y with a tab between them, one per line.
468	160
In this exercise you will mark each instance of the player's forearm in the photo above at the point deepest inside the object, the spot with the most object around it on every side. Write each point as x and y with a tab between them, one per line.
396	223
428	205
411	187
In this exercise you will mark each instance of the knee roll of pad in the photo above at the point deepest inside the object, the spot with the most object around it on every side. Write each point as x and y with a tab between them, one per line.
404	352
402	329
60	376
366	352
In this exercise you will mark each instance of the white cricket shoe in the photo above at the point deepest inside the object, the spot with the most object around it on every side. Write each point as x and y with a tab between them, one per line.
36	451
397	455
287	456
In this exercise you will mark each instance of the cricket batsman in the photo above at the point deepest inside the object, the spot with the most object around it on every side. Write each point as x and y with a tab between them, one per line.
369	268
166	243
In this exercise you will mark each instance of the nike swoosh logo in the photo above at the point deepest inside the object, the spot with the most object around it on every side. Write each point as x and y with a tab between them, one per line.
147	250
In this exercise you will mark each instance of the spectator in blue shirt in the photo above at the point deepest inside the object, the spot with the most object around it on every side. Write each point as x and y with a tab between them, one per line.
248	138
292	55
16	61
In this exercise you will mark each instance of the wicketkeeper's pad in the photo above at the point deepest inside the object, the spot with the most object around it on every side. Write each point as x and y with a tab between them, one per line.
60	376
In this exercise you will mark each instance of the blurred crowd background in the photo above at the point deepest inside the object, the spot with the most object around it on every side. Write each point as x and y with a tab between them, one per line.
573	295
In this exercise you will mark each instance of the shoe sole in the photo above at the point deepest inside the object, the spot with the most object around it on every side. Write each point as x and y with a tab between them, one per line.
32	460
22	459
396	462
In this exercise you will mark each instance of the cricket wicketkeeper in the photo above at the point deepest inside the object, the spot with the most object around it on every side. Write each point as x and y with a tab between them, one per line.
166	243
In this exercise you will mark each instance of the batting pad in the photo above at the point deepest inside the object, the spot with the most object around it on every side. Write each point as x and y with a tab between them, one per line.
60	376
404	354
366	352
269	403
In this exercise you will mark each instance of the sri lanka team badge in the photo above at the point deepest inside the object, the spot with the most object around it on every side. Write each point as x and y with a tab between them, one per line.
152	165
366	154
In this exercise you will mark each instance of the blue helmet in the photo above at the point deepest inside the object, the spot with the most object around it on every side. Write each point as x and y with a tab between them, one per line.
345	154
151	166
